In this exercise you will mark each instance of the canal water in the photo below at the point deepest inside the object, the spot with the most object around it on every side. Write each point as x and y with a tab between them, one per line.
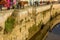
55	34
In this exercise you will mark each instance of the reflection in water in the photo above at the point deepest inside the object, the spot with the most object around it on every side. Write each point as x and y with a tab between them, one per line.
56	30
55	34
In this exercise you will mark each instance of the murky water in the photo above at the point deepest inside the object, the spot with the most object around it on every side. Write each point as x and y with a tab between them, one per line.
56	30
55	34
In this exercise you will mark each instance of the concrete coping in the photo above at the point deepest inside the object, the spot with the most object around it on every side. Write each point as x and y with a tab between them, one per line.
30	10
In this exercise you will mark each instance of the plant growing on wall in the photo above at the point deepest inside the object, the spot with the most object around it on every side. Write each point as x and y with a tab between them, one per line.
32	29
9	24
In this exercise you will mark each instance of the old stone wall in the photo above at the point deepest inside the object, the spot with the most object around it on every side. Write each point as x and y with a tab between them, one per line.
25	25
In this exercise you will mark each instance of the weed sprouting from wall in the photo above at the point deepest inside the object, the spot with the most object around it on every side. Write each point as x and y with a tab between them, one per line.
9	24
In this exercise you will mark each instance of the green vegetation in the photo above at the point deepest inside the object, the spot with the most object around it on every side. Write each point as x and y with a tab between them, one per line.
33	28
39	25
9	24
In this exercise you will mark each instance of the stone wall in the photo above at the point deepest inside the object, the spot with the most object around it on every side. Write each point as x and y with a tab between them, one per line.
25	25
